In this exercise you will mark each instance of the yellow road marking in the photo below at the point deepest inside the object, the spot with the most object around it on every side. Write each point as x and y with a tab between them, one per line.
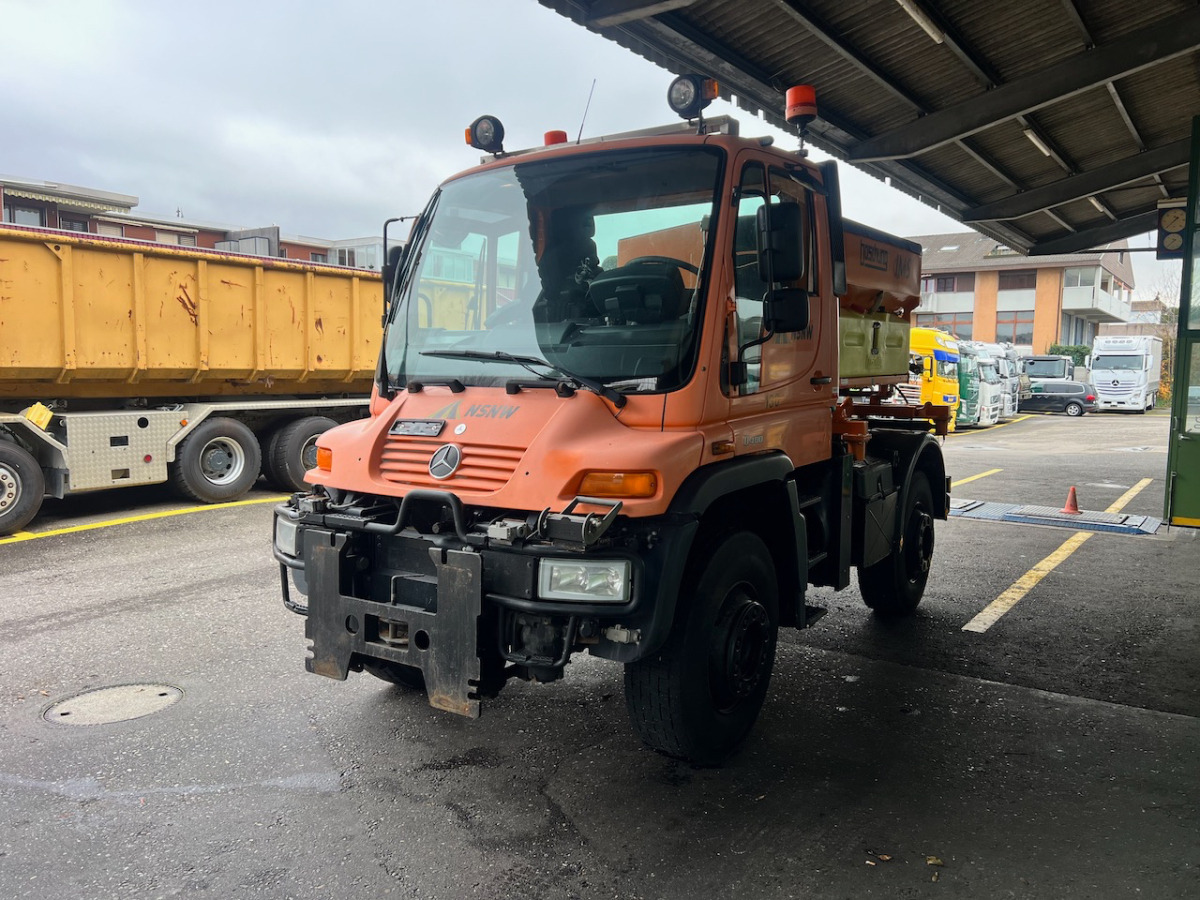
1023	585
955	484
109	523
991	427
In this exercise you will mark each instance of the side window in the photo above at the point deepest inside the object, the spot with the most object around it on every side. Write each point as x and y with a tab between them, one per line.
785	189
749	289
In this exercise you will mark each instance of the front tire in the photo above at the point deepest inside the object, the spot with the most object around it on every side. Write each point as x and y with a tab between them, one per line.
895	585
217	462
22	487
698	697
395	673
1074	409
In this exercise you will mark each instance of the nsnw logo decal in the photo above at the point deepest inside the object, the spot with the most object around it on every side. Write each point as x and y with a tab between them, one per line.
476	411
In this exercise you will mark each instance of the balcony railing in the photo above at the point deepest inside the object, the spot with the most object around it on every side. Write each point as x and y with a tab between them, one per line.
1096	304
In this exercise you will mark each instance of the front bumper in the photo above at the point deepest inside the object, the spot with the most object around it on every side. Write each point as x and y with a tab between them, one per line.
458	610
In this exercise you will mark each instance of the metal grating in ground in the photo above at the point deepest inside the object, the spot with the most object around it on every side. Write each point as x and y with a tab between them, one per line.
1047	515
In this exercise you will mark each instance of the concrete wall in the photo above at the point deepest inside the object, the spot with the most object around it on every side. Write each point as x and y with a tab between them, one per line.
987	287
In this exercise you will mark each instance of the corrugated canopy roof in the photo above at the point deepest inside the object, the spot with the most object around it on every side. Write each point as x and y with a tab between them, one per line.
1051	125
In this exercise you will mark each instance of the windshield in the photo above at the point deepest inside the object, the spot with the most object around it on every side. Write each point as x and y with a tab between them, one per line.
594	264
1046	368
987	372
947	369
1128	363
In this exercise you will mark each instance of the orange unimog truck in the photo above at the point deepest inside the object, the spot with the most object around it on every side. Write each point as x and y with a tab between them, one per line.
633	439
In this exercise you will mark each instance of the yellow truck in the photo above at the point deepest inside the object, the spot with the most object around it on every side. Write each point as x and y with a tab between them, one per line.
128	363
935	369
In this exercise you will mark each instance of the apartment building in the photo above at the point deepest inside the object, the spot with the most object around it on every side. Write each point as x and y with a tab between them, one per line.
980	290
64	207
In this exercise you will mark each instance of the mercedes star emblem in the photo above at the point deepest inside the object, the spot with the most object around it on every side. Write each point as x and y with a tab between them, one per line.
445	461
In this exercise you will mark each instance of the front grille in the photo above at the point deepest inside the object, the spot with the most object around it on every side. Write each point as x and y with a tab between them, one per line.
1116	390
484	468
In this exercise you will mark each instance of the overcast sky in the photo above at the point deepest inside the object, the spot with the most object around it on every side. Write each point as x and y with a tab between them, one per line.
326	118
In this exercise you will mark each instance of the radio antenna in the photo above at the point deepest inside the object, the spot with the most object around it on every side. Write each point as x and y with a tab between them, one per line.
586	107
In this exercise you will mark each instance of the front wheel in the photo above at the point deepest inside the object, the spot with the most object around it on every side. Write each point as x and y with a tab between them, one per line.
1075	409
698	697
895	585
219	461
22	486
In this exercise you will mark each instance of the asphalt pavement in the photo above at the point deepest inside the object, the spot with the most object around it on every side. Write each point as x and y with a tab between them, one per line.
1054	754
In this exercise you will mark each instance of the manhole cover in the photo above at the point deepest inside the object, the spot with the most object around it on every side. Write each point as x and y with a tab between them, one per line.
112	704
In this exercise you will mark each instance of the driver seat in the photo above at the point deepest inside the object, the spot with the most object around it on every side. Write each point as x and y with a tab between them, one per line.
643	292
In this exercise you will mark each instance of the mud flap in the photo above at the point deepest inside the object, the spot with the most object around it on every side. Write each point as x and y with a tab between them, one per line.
442	644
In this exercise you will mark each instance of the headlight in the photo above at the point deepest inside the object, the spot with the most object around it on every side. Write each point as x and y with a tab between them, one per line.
592	581
287	536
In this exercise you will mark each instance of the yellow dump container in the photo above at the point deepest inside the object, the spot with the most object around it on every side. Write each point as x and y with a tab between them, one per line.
89	317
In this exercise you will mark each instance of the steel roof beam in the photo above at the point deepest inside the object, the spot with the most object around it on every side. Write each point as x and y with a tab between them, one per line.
1098	237
1164	40
606	13
1086	184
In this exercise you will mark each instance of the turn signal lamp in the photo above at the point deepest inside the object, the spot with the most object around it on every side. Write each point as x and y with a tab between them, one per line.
801	105
689	94
324	459
619	484
487	134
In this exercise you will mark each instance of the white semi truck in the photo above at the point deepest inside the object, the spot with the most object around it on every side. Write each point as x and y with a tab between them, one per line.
1126	371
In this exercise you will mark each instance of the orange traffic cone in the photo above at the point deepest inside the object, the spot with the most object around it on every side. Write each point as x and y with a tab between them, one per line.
1072	507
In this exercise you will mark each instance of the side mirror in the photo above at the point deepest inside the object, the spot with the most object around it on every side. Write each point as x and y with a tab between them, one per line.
786	310
928	366
780	242
392	265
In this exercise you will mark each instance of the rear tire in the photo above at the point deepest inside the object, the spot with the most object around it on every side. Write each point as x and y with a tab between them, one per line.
1074	409
698	697
22	487
217	462
291	451
895	585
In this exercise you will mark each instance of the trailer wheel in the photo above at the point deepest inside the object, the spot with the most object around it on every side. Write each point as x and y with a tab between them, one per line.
699	695
894	585
395	673
218	461
292	450
22	487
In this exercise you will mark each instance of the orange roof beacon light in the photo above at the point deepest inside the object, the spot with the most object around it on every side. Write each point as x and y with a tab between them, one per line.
555	137
688	95
801	109
487	134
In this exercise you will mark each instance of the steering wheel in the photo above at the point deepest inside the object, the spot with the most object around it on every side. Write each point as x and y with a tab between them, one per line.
510	312
687	266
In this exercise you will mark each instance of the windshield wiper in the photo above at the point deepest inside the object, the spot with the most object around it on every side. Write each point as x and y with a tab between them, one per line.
616	397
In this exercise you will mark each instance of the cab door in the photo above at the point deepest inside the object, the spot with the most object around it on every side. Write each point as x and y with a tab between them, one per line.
782	403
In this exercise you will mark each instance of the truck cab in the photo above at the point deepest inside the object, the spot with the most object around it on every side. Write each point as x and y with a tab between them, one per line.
1126	371
612	415
935	368
980	387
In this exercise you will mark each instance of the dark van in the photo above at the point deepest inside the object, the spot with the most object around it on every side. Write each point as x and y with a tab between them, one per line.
1072	397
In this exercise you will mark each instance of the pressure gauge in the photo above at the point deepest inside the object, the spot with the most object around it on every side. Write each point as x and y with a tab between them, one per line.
1172	241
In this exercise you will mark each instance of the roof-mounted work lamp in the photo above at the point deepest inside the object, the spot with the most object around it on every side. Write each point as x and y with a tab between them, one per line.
487	134
688	95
